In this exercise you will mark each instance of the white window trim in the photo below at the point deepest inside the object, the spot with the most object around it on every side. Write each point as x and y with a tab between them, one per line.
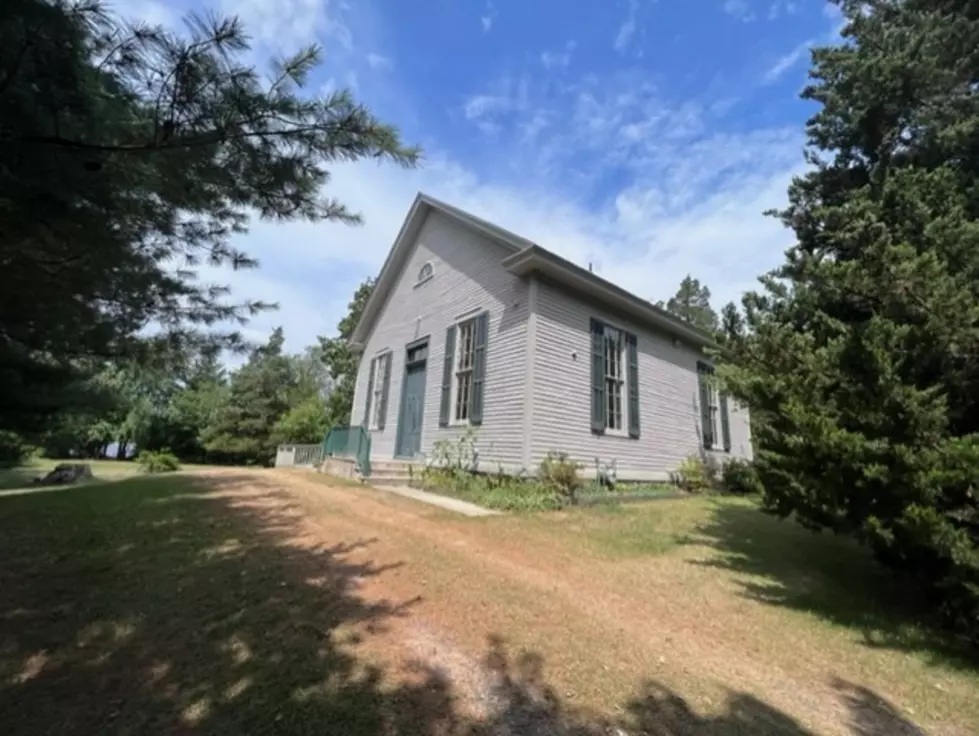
428	278
454	393
714	411
624	431
377	386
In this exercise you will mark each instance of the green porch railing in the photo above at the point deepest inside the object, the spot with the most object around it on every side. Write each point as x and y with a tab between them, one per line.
352	442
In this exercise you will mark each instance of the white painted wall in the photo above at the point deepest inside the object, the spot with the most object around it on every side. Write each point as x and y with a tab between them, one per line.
468	278
668	394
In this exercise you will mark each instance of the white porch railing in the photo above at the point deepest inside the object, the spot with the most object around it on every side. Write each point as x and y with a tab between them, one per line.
290	456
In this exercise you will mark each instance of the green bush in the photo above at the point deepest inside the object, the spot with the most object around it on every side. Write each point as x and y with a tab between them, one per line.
497	491
741	478
158	462
694	476
560	474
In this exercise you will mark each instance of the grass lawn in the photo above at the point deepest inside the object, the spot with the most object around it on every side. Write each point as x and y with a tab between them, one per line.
268	602
152	606
22	476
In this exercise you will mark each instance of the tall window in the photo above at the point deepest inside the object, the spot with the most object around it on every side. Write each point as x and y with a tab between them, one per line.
614	379
378	390
713	404
465	345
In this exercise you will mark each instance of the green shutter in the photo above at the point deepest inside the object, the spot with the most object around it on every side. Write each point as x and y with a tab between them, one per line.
450	349
725	424
370	392
386	386
703	377
480	335
597	377
632	376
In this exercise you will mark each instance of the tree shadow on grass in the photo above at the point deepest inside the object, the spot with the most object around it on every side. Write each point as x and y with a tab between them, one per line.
826	575
181	605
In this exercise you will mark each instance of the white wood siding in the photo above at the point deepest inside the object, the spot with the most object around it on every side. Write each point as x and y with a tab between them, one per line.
668	395
467	278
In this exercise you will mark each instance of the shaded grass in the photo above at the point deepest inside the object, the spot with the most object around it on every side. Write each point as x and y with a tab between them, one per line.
777	563
22	476
830	577
178	604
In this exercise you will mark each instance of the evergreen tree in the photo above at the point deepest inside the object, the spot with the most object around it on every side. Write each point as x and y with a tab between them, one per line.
691	303
341	360
129	155
259	395
860	359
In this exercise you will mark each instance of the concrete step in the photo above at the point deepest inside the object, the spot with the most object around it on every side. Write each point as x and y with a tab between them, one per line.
393	465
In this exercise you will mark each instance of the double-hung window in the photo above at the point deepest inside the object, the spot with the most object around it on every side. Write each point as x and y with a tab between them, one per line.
464	371
378	385
465	354
714	419
615	381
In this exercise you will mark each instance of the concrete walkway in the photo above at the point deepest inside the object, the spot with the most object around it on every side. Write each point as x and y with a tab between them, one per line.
451	504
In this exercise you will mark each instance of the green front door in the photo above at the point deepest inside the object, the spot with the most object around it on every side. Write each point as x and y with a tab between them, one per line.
409	438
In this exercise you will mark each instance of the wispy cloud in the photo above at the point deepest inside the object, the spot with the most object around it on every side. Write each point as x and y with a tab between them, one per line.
739	9
628	28
558	59
787	61
379	61
782	7
488	18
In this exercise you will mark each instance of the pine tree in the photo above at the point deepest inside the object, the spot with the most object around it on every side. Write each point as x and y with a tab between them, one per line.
129	156
860	359
691	303
259	396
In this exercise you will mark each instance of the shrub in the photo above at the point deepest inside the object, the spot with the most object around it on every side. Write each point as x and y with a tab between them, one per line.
740	477
158	462
694	476
561	474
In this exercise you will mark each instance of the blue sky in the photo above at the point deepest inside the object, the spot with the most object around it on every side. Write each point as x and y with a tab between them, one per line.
644	137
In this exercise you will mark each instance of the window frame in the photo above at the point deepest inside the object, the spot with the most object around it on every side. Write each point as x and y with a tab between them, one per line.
714	411
424	279
623	380
454	395
376	382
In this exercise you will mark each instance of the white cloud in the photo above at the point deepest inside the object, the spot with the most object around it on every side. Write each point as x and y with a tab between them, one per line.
739	9
787	61
628	28
558	59
599	168
488	17
782	7
148	11
379	61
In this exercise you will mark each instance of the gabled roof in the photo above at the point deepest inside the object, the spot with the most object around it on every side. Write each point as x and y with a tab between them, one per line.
525	257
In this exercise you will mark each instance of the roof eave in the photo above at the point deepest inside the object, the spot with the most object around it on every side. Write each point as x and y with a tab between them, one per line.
538	260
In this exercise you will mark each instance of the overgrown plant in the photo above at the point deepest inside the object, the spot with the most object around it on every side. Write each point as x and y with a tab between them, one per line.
741	478
158	462
694	475
560	473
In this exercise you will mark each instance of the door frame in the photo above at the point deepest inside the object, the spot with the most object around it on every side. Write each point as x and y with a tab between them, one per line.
398	437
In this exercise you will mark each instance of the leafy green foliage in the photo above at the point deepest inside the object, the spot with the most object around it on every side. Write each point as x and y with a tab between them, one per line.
158	462
492	491
131	156
341	360
859	358
304	424
561	474
691	303
694	475
740	478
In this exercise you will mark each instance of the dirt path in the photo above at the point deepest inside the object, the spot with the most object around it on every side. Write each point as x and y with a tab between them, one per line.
670	644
